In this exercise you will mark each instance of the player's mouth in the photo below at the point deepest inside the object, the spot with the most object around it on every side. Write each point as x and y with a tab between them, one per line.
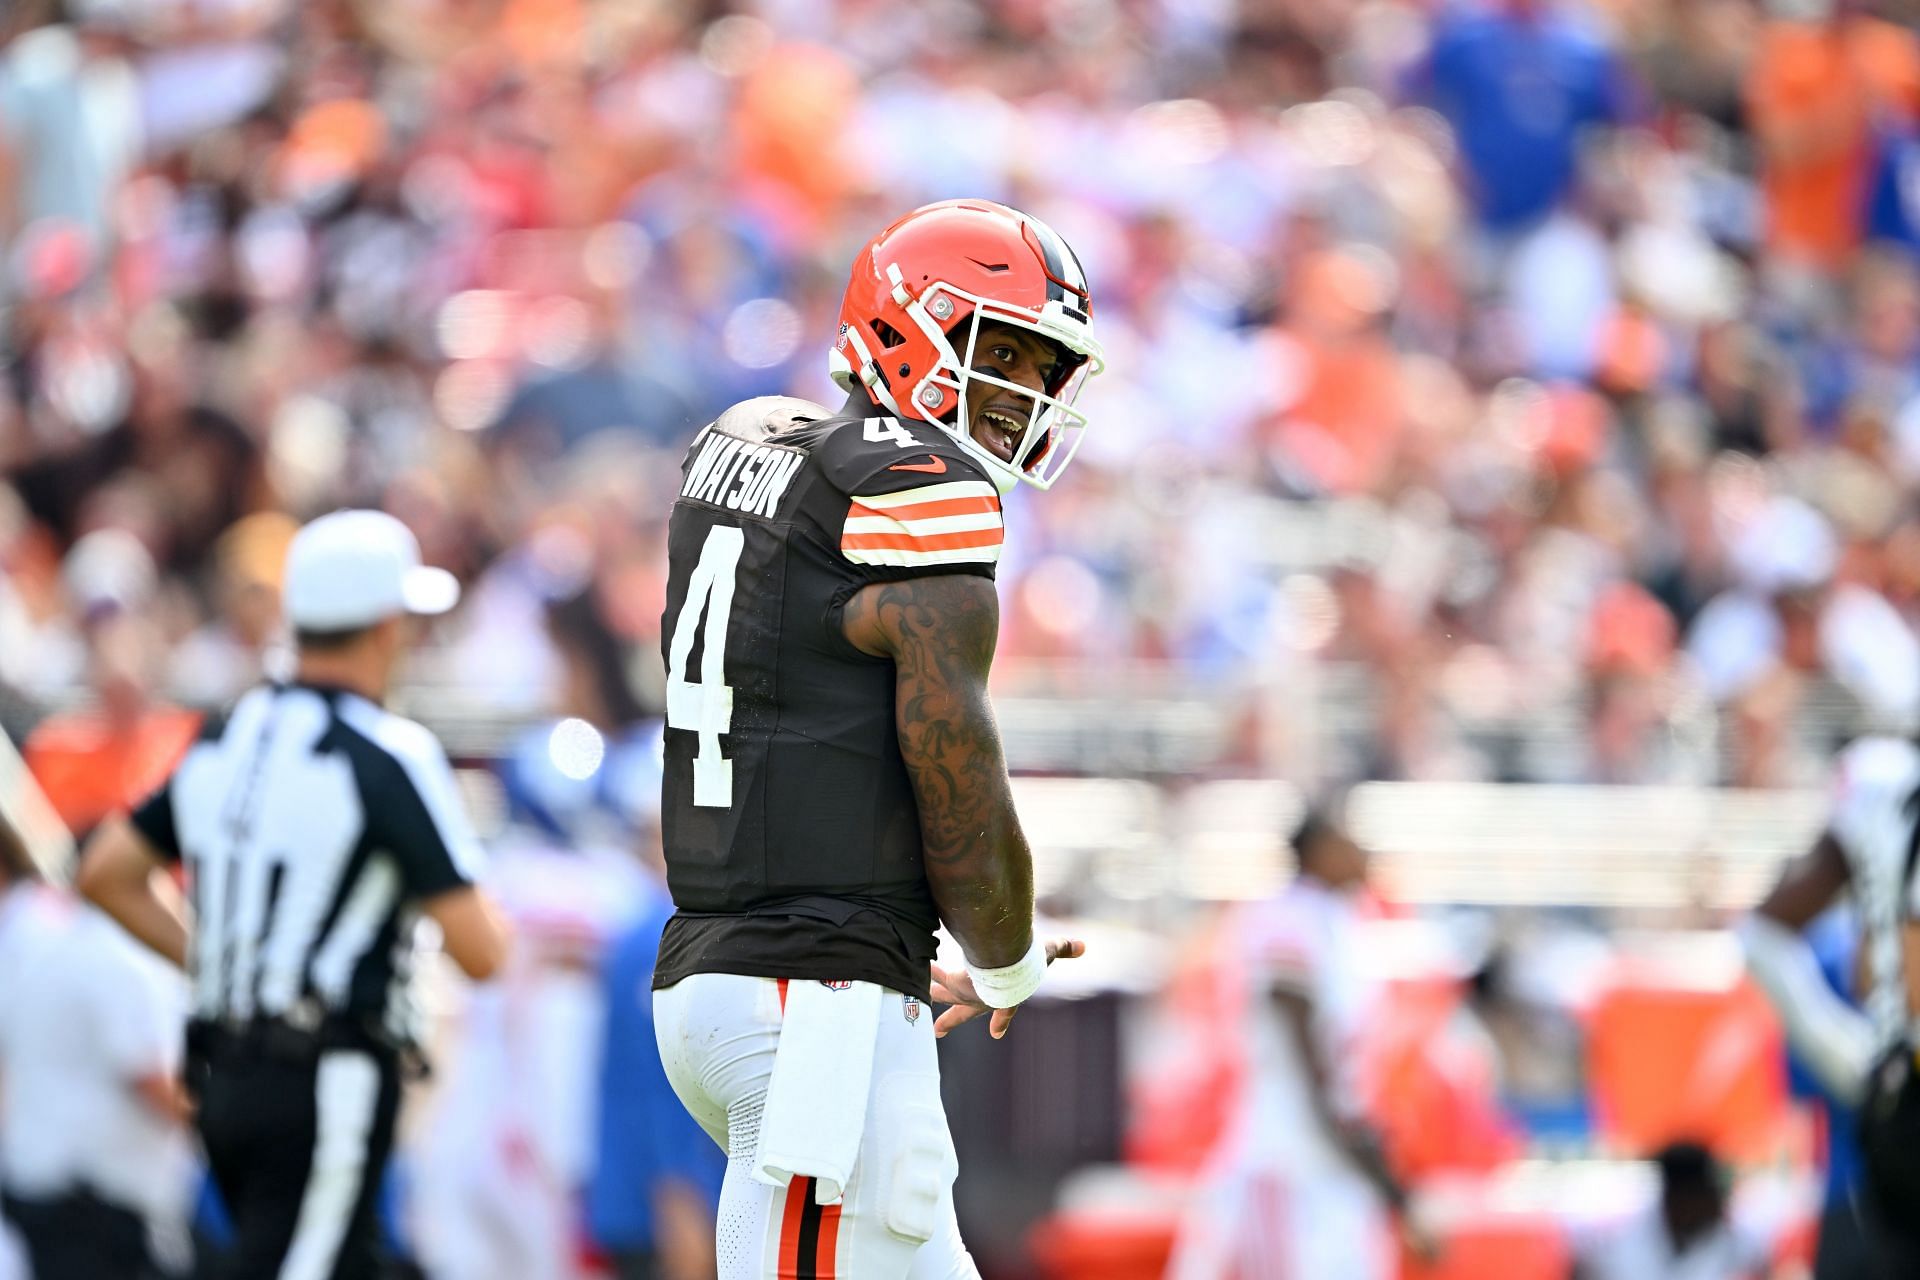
999	427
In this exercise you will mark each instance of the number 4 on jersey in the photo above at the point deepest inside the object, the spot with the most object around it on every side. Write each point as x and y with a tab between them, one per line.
887	431
705	707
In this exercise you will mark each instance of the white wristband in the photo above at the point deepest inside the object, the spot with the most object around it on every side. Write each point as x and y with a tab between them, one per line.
1007	987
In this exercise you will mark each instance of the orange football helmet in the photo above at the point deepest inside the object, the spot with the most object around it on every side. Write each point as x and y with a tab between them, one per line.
931	279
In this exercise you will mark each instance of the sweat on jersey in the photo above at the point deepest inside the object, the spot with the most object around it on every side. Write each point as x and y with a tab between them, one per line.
792	834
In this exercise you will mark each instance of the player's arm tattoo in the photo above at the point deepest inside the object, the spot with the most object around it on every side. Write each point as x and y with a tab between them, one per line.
940	632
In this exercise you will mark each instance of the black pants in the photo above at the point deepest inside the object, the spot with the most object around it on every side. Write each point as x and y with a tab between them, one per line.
1890	1146
297	1144
1845	1253
629	1265
79	1236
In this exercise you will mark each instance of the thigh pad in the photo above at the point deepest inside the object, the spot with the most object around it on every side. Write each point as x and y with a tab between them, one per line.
912	1153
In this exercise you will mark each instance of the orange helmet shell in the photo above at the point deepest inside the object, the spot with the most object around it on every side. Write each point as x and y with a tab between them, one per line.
927	274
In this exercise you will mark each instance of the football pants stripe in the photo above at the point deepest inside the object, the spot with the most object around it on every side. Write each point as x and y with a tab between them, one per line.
799	1196
807	1251
829	1240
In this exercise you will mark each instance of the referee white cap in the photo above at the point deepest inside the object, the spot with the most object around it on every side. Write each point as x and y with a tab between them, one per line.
355	568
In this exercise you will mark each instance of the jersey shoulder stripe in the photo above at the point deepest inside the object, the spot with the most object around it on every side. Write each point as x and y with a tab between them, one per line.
882	455
956	522
922	557
976	492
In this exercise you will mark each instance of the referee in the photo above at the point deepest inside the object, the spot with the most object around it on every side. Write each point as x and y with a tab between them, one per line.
315	828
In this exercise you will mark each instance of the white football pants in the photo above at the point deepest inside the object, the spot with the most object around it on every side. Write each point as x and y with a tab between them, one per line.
718	1033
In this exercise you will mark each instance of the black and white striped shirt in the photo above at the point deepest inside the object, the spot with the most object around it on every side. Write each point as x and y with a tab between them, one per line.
1877	784
312	824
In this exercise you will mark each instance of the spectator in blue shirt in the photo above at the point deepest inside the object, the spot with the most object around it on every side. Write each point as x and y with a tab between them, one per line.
1521	83
650	1202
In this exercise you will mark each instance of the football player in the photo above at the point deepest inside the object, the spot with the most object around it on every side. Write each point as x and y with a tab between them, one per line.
1299	1186
835	787
1867	1056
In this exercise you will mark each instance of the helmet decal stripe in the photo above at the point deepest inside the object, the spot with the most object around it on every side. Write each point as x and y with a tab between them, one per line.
1066	281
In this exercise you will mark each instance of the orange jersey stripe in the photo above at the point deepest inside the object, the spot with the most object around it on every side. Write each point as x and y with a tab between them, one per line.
929	510
904	541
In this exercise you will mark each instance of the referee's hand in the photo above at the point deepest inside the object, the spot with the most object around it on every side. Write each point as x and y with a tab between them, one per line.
954	987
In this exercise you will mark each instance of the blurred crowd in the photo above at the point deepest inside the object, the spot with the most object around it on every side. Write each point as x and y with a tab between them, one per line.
1569	351
1537	381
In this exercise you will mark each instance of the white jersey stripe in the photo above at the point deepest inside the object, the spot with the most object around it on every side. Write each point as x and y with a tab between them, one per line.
907	559
366	909
346	1096
933	525
928	493
329	813
210	935
1873	821
207	827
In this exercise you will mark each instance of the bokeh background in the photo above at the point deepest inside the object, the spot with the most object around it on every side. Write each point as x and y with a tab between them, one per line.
1513	409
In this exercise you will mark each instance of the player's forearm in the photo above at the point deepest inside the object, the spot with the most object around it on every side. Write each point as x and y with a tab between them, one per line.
117	876
151	921
164	1094
941	633
1363	1149
978	865
1357	1141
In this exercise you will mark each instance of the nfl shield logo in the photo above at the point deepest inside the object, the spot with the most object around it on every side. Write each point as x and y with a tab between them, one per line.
911	1007
837	986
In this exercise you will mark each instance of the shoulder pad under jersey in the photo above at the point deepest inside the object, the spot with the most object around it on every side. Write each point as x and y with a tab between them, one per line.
765	416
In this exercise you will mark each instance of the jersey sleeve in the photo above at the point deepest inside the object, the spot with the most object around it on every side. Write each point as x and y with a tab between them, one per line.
1872	785
915	502
153	819
420	820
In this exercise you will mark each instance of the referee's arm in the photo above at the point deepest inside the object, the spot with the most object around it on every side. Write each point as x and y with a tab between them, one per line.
415	813
471	930
117	874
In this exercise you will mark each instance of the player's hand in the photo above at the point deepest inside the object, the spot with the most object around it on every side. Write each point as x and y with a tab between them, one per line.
954	987
1417	1236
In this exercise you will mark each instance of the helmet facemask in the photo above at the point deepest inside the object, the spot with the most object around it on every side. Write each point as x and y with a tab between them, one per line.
1046	447
911	322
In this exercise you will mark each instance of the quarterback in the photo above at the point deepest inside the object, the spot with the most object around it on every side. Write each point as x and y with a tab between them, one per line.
835	788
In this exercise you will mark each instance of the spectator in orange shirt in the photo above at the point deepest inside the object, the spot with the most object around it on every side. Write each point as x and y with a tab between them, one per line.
1343	422
101	759
1817	86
